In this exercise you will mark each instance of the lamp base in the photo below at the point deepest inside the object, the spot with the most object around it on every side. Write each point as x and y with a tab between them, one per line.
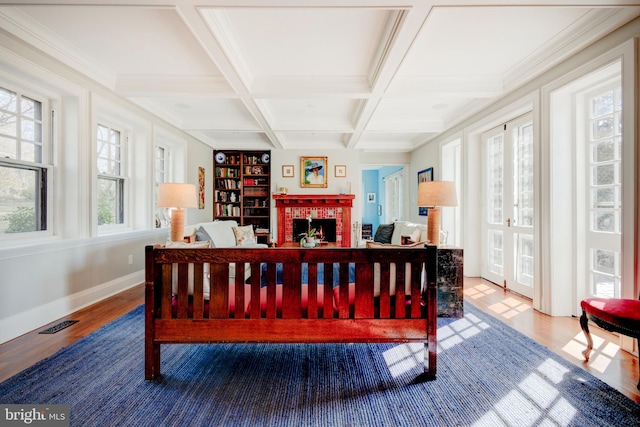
177	225
433	226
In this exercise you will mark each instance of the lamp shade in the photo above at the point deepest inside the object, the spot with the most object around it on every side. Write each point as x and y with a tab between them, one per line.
437	193
177	195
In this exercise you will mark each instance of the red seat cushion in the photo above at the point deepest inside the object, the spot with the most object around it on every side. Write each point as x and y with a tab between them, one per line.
617	311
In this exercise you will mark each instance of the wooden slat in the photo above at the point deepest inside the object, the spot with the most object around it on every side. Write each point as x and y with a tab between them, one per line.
239	291
345	306
291	330
183	290
416	292
271	291
166	291
312	299
291	291
385	297
327	288
256	271
400	294
219	295
364	291
198	290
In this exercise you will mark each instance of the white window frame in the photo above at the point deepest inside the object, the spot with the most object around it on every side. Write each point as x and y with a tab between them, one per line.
161	217
122	178
44	167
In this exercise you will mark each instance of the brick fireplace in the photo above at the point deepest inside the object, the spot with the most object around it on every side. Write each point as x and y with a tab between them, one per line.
318	206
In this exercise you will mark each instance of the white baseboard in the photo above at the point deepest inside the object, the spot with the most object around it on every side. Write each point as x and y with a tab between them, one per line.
19	324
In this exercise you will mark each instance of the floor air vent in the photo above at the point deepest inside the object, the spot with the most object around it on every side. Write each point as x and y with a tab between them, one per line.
60	326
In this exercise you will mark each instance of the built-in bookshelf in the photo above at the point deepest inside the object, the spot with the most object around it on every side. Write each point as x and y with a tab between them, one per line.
242	185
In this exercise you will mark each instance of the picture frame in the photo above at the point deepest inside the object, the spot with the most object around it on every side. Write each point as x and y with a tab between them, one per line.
424	175
201	181
313	172
287	171
340	171
371	197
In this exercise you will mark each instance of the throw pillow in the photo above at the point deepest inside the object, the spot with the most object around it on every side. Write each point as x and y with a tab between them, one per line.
383	233
203	236
244	235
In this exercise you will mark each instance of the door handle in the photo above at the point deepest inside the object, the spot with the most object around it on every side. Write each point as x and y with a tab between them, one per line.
508	222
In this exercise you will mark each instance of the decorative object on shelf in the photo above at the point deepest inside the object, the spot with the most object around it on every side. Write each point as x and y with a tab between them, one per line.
221	158
284	190
308	240
287	171
424	175
313	172
340	171
433	195
265	158
178	196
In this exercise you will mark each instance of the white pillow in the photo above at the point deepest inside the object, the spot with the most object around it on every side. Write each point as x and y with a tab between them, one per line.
221	233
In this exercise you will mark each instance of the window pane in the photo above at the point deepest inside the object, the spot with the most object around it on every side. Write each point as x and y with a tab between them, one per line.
110	198
603	128
7	148
603	285
604	261
603	104
8	100
604	175
31	109
603	221
604	151
31	152
8	125
18	199
603	198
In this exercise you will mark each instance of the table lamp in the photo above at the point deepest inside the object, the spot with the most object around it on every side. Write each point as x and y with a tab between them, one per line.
433	195
177	196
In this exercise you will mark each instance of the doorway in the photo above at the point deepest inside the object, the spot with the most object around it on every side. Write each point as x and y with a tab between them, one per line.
508	195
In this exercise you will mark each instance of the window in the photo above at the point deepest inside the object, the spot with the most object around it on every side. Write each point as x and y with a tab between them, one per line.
161	165
111	178
23	172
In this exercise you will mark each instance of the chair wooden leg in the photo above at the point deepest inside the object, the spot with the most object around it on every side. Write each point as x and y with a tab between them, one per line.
584	324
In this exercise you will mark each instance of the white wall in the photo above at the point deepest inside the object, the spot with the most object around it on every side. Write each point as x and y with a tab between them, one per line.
48	277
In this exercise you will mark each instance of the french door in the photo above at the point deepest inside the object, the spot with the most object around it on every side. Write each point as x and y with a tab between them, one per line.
602	191
507	215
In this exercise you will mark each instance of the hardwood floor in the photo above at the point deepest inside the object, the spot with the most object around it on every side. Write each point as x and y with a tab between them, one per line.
560	334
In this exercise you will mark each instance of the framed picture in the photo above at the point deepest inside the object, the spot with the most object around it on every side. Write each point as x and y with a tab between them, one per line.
371	197
340	171
424	176
313	172
201	187
287	171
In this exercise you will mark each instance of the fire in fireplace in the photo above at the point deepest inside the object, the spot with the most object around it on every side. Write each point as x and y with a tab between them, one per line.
326	228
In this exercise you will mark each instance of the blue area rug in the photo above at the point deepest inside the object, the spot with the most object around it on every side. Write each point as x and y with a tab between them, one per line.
488	375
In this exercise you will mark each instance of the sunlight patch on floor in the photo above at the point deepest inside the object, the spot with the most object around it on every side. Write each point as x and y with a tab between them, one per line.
603	353
478	291
534	402
509	308
405	357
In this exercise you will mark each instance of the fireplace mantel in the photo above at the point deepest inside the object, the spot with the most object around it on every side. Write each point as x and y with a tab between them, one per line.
338	206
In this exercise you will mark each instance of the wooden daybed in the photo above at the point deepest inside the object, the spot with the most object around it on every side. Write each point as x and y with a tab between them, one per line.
289	311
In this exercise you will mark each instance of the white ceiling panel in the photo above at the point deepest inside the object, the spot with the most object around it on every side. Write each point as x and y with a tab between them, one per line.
371	75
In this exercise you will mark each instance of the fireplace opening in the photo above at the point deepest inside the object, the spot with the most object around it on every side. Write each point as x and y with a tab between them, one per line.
325	227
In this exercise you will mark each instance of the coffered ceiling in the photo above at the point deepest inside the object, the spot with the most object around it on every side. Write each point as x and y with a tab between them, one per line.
374	75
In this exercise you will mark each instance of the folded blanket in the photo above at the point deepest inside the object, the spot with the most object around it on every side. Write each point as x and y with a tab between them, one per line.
305	268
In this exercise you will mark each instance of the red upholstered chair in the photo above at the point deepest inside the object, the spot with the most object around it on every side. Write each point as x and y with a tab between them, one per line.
612	314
